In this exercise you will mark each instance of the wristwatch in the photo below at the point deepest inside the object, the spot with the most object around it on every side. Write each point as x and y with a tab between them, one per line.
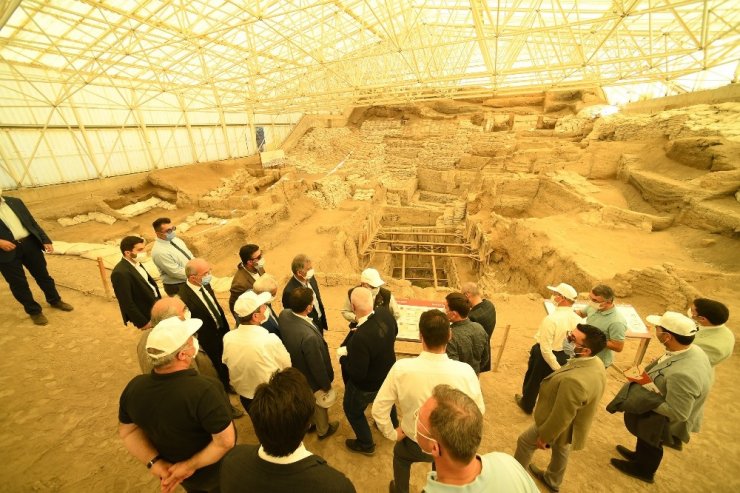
151	462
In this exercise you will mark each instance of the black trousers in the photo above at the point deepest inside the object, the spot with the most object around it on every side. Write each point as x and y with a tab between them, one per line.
647	457
172	289
28	253
537	370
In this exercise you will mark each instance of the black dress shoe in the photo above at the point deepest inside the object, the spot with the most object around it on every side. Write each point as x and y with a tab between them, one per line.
632	469
675	444
39	319
518	400
62	305
626	453
333	427
356	447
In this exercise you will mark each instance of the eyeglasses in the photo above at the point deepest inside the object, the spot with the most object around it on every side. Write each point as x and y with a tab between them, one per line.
170	230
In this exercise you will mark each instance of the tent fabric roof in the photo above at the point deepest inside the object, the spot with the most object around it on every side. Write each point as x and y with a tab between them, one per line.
316	56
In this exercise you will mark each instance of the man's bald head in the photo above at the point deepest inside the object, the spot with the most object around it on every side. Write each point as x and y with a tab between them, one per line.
362	301
167	308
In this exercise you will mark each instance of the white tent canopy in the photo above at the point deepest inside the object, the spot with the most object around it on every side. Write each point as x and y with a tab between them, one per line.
98	88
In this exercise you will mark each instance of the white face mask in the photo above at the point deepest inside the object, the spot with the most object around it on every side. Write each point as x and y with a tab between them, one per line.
261	263
309	274
140	257
595	305
196	345
186	314
689	314
553	299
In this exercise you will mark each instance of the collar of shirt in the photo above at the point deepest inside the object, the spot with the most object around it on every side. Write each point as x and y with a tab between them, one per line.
432	356
362	320
304	284
670	354
133	262
307	319
459	322
160	240
298	454
194	287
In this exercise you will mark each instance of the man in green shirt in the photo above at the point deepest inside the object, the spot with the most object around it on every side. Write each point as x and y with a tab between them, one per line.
602	313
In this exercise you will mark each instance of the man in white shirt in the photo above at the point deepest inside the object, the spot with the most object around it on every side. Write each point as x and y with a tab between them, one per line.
410	383
250	351
170	254
547	354
449	420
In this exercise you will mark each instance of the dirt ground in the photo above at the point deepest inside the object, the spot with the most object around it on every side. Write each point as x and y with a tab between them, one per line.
59	384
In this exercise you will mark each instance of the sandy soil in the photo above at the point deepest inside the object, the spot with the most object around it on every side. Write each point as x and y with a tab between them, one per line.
59	385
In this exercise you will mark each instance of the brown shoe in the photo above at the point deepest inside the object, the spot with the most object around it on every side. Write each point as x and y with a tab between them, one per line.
333	427
62	305
39	319
540	474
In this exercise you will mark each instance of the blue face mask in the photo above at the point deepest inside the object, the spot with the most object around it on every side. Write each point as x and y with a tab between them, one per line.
206	280
169	236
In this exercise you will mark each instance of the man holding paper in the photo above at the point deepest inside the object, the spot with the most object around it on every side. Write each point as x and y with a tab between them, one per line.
683	377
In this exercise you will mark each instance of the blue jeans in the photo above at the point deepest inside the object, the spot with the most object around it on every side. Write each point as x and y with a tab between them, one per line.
355	402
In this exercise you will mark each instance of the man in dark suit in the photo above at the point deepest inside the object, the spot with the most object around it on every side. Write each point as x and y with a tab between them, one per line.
309	354
198	296
21	243
135	289
302	268
370	354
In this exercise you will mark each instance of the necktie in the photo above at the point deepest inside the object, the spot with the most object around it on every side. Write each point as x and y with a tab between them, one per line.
154	288
211	308
180	250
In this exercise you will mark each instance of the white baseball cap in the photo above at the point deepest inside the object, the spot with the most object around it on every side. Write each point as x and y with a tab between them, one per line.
250	301
371	277
171	334
566	290
674	322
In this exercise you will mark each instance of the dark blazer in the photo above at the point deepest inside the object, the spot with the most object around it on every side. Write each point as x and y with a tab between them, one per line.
370	351
28	222
240	284
135	296
271	324
294	283
308	350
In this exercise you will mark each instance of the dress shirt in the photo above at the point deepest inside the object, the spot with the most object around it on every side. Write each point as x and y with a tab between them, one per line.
253	355
670	354
553	330
362	320
298	454
143	273
11	221
170	261
199	293
307	284
410	383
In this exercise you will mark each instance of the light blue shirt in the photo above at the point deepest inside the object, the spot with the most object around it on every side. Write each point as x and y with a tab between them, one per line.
499	473
170	261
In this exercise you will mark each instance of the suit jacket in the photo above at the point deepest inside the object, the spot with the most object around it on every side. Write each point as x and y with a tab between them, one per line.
308	350
271	323
28	222
568	401
135	296
210	334
370	351
240	284
684	381
294	283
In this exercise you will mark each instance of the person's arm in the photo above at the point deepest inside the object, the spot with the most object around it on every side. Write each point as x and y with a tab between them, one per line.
282	356
547	334
45	240
384	402
358	358
393	306
681	392
213	452
123	287
615	336
485	360
347	312
451	350
166	263
138	445
568	400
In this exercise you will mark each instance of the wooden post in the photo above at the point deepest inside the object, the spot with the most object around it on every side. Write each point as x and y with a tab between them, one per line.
501	348
104	277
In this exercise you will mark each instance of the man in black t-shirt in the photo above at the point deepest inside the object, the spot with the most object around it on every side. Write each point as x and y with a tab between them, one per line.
174	420
281	413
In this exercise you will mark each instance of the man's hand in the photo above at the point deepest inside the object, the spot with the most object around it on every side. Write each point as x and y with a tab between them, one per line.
48	248
161	470
541	444
147	326
400	435
177	473
6	245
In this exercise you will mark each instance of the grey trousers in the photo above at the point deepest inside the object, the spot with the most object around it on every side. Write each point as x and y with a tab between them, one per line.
405	453
321	419
526	444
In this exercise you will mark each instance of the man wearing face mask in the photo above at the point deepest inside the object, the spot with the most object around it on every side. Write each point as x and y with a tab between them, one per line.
714	337
683	375
198	296
22	242
135	289
469	342
174	420
382	297
569	399
169	254
602	313
249	270
547	354
251	353
303	276
267	284
309	353
449	427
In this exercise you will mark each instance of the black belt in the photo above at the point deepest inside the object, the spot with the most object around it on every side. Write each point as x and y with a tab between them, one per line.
22	239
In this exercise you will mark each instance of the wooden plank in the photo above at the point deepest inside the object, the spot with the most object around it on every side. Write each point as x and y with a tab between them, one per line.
428	254
403	264
434	272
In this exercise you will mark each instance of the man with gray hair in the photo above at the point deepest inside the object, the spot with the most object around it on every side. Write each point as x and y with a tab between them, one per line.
366	357
482	311
268	284
303	276
451	420
173	420
602	313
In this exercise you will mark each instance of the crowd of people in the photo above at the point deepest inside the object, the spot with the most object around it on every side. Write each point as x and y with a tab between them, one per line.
176	417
